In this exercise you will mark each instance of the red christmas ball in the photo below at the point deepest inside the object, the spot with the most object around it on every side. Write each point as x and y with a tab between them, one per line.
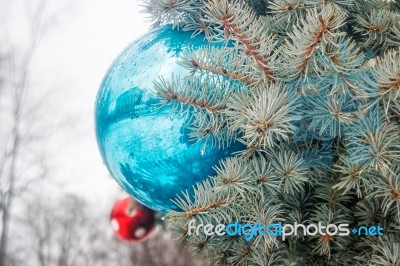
131	221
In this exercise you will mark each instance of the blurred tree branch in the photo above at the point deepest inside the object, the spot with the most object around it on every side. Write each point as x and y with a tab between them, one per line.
16	109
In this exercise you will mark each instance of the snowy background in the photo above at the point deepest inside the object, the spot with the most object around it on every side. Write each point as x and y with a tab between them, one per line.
53	56
79	41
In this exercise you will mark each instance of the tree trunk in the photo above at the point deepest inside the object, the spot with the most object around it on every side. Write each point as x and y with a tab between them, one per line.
8	197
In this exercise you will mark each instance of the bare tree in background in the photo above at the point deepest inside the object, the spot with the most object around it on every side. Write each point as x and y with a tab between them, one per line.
67	231
63	231
162	249
58	231
20	163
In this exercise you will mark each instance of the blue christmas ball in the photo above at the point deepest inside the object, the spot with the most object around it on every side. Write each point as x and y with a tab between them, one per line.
148	152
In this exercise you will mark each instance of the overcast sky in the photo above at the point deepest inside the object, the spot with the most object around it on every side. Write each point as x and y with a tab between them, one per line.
73	57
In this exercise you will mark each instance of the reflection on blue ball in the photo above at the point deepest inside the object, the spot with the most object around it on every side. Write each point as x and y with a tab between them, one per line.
147	152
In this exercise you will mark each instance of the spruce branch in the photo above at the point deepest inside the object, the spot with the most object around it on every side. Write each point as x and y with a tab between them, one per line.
369	211
327	193
354	176
238	21
388	76
297	207
286	6
387	252
342	68
209	95
266	115
265	211
205	200
287	12
233	178
196	25
340	5
216	61
175	11
202	101
289	168
395	5
366	6
311	85
380	28
373	142
264	176
325	245
242	252
330	116
346	71
267	258
210	128
388	189
312	34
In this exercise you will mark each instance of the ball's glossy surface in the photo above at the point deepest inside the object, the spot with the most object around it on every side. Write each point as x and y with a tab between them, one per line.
147	152
131	221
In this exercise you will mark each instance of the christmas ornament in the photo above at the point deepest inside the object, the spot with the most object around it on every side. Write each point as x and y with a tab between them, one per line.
131	221
146	148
